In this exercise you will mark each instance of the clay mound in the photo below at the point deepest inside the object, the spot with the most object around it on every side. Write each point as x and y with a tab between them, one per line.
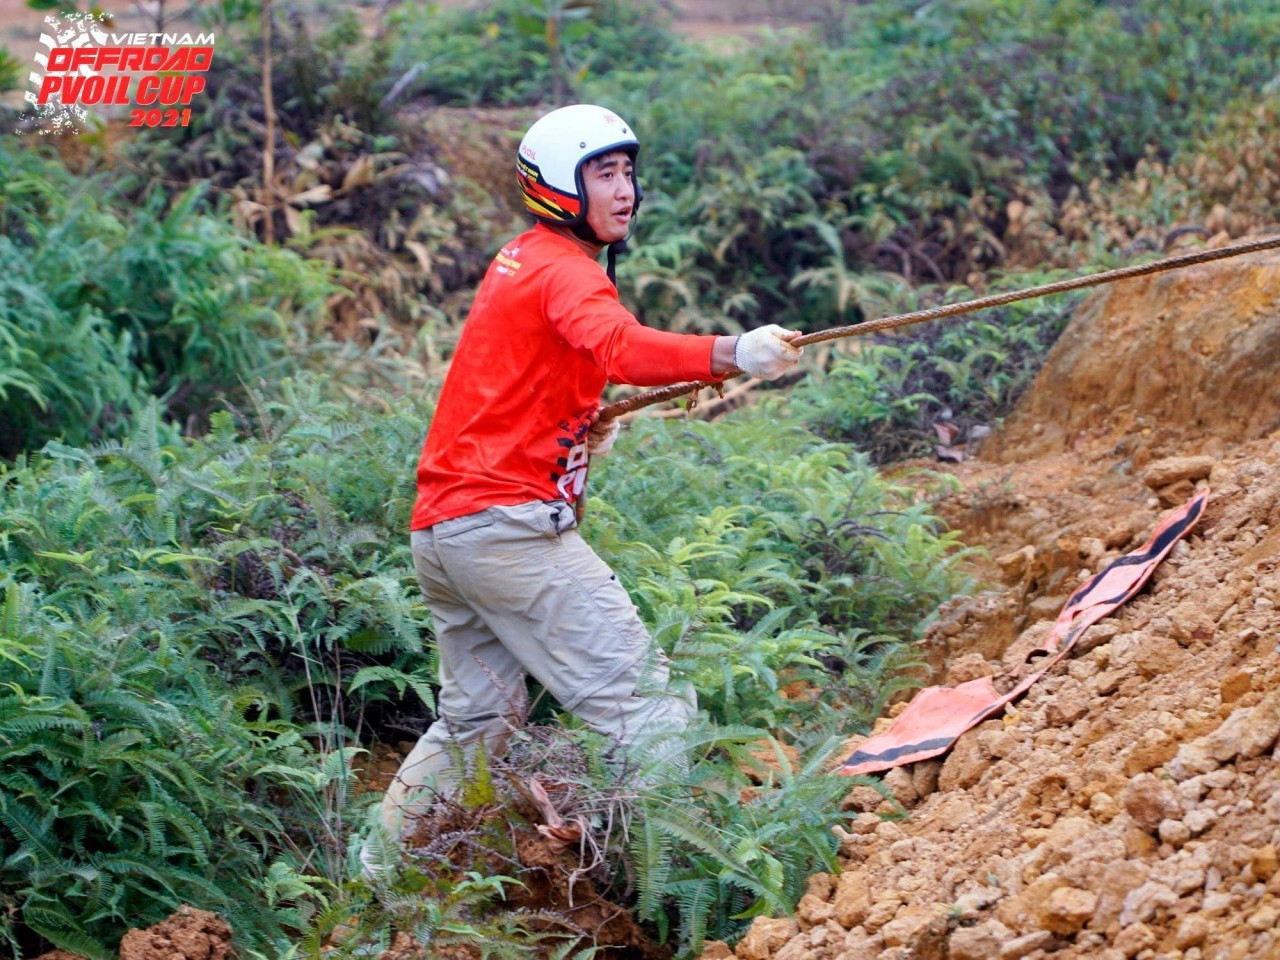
1193	353
189	934
1129	805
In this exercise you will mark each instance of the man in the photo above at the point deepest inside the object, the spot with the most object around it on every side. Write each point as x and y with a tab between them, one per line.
512	587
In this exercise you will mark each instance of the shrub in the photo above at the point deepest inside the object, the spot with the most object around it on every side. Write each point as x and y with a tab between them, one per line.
101	309
520	52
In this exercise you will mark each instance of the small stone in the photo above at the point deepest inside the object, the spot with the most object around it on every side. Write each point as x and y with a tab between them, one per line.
813	911
1264	863
1141	904
1148	801
1192	930
1134	938
1157	654
1068	909
908	924
765	937
852	900
1024	945
1174	832
880	914
900	785
980	942
1198	821
1162	473
1264	918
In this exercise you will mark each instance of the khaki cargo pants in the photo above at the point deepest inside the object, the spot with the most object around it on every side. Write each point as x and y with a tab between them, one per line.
516	591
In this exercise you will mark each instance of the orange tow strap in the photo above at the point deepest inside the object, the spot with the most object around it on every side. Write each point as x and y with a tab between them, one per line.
937	716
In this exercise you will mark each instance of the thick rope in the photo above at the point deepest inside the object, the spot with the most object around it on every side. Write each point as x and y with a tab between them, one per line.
650	397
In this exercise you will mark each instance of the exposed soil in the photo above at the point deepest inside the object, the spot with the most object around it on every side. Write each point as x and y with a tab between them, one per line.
189	934
1129	804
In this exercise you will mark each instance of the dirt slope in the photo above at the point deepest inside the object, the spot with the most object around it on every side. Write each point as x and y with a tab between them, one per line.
1129	805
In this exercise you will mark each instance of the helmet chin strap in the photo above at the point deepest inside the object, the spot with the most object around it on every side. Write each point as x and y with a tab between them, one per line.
583	230
616	249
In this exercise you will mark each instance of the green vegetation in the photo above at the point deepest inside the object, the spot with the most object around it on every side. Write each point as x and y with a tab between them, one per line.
213	392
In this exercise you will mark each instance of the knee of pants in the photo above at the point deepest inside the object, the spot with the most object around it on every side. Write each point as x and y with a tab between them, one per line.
628	715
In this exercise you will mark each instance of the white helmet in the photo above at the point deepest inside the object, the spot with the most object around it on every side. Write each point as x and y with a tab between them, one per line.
549	162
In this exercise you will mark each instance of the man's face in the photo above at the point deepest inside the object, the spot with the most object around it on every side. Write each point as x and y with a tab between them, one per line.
611	195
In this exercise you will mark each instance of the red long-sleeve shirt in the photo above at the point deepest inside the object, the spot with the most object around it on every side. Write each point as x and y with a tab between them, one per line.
545	334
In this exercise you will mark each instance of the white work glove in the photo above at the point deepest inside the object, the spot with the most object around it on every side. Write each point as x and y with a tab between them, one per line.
766	353
601	436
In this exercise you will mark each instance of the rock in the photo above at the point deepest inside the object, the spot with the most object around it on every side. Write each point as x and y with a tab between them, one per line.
1067	910
971	666
1235	686
1024	945
1191	931
901	786
965	765
1015	565
1176	493
881	913
715	950
908	925
1264	863
1134	938
813	911
852	900
1156	654
1198	821
1141	904
821	885
863	799
970	905
1022	913
997	743
1264	918
1154	748
924	776
801	948
980	942
860	945
1174	832
1247	733
1148	801
1069	704
1164	472
765	936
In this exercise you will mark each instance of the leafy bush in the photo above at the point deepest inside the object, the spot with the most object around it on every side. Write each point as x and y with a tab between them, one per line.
934	385
10	70
188	623
509	51
759	556
137	776
933	143
101	309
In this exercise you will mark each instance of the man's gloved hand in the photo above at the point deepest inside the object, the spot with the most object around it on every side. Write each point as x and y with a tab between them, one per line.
766	352
601	436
